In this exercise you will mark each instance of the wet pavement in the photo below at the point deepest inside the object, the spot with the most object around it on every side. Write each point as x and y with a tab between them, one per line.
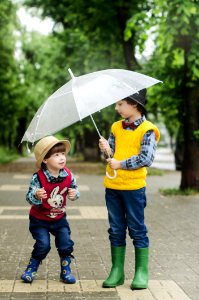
173	226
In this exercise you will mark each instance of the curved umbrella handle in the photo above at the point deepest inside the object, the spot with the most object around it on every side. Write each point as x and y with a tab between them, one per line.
111	177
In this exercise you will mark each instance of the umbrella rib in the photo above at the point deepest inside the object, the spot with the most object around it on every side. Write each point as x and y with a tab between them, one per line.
74	91
127	85
39	116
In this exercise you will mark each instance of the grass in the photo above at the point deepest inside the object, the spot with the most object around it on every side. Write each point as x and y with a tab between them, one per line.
154	172
178	192
7	155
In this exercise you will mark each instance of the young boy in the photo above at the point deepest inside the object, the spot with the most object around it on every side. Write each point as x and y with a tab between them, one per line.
47	194
131	145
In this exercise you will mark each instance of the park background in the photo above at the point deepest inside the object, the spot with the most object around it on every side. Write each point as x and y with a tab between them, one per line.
154	37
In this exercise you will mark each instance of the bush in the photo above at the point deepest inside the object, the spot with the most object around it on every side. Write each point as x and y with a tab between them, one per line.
7	155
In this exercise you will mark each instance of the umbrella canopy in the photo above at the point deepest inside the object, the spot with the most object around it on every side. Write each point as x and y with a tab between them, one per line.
82	96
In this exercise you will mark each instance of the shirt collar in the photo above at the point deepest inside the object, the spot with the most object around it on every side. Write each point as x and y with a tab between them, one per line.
138	121
53	179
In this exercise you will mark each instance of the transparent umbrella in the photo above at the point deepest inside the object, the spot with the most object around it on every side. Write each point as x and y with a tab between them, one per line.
81	97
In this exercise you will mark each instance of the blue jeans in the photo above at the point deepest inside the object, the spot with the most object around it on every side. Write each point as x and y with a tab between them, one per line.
41	230
126	210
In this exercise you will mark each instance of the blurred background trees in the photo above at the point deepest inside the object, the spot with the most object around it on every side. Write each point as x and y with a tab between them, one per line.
9	76
99	34
176	61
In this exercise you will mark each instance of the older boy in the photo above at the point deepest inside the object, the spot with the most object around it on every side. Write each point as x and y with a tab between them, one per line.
132	145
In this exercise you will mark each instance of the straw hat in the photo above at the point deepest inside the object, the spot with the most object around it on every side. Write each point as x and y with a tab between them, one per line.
44	145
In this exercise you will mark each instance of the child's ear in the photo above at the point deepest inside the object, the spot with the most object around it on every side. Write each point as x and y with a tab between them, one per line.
135	105
44	161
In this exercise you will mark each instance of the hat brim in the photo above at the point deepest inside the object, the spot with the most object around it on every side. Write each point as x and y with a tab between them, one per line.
41	158
136	100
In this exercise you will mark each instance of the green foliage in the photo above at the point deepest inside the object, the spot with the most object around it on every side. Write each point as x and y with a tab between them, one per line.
40	66
94	35
154	172
175	62
196	134
91	38
7	155
88	37
138	25
9	80
177	55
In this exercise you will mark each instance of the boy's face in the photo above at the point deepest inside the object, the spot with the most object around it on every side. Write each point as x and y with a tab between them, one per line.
125	109
56	161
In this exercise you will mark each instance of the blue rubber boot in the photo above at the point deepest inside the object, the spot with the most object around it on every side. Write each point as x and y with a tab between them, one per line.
31	270
65	274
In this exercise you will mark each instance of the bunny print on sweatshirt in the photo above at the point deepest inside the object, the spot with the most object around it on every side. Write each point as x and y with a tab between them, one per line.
56	201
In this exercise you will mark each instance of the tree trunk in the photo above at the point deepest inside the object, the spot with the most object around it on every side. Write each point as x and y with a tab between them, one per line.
21	128
190	165
128	46
91	150
129	55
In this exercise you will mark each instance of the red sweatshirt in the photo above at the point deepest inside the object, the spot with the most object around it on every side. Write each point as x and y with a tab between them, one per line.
52	207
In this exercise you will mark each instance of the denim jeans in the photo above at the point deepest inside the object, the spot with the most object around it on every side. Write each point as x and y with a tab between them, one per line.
41	230
126	210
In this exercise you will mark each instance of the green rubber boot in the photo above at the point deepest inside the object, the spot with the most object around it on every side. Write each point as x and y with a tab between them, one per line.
116	276
140	280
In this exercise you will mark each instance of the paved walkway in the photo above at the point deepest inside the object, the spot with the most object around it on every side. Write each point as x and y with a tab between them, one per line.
173	225
164	159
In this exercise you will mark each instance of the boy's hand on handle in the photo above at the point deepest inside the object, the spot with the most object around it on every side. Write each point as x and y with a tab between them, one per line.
41	194
104	146
114	163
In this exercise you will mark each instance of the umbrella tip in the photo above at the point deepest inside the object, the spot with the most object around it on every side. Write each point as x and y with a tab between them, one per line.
27	148
71	73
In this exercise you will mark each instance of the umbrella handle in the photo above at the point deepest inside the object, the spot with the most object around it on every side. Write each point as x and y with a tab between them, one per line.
111	177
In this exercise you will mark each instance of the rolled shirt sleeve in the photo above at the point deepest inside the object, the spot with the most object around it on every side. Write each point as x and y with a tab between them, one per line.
34	186
73	185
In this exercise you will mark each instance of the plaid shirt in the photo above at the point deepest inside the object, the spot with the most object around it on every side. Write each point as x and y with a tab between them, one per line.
147	150
35	185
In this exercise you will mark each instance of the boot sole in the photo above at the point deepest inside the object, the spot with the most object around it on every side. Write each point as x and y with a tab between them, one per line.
139	287
26	280
112	285
62	280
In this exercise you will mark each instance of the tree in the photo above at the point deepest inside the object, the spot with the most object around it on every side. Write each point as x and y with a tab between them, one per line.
176	63
93	33
103	23
9	79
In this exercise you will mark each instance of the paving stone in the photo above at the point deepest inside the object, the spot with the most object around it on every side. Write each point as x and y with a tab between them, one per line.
173	231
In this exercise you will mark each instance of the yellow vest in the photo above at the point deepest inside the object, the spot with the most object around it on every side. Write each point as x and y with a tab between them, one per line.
127	144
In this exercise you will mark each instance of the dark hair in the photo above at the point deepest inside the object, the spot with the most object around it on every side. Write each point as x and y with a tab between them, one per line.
55	149
140	108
